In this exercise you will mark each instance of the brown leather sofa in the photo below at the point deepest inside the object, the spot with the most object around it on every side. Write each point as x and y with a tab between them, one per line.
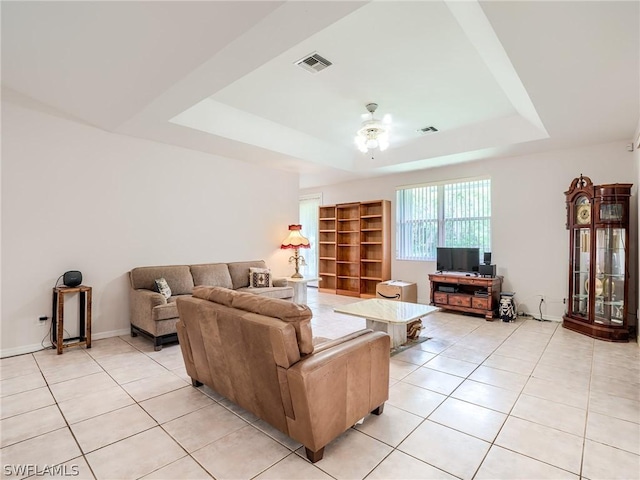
258	352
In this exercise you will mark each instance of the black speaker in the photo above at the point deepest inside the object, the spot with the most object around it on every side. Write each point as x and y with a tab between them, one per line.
487	270
487	258
72	278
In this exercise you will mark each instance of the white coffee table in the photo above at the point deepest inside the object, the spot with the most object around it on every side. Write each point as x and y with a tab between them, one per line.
388	316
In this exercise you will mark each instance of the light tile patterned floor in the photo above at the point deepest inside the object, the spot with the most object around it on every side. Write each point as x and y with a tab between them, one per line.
481	400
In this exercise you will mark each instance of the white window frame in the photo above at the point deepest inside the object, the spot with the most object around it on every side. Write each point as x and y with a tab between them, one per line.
310	230
422	218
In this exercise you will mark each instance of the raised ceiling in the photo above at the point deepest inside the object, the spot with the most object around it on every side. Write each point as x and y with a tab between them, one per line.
495	78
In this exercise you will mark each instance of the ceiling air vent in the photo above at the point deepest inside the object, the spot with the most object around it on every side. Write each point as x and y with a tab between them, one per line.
427	130
313	63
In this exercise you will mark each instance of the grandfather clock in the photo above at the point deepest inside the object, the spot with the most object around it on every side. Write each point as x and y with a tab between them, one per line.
598	224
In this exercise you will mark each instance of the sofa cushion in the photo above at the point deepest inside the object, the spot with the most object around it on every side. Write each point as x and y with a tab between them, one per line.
177	276
212	274
163	287
260	278
239	272
164	312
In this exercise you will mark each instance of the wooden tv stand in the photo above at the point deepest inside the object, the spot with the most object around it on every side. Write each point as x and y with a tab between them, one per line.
463	297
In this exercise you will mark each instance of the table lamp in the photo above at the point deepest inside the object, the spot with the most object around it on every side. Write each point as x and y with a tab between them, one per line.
296	241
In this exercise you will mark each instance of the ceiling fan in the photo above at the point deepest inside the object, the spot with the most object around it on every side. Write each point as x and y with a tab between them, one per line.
373	133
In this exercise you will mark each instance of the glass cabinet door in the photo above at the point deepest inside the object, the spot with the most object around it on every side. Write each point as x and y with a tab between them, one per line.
610	272
581	255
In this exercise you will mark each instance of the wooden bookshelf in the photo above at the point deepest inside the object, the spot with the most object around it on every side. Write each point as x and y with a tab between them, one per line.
327	248
348	249
355	244
375	245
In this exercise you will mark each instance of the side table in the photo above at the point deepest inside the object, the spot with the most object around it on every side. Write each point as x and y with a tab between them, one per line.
300	288
58	317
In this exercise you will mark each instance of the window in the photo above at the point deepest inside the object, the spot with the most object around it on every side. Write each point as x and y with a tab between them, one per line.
309	205
442	215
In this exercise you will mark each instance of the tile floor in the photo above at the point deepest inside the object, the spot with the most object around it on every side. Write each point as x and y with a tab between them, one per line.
481	400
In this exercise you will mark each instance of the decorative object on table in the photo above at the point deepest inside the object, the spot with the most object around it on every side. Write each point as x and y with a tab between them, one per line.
507	307
72	278
296	241
598	224
413	329
599	287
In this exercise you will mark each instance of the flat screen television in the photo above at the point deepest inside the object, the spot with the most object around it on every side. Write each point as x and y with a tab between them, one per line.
458	259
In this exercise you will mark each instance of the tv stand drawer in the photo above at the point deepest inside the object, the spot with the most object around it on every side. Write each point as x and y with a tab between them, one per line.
480	303
460	300
439	297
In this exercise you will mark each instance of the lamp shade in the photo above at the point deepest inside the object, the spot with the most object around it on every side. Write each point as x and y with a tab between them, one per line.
295	238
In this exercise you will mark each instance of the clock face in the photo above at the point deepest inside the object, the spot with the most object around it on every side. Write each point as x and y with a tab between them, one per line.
583	214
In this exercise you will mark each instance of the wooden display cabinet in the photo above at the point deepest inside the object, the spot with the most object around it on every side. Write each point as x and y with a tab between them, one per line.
598	224
355	247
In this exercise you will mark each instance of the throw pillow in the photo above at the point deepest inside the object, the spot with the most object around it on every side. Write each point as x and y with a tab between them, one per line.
260	280
163	287
253	270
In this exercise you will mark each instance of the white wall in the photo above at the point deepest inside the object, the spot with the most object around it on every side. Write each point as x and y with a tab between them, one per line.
529	239
76	197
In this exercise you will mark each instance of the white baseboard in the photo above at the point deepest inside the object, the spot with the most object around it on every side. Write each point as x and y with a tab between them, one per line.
112	333
534	316
12	352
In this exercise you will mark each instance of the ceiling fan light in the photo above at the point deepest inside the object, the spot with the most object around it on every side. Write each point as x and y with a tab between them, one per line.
361	144
373	133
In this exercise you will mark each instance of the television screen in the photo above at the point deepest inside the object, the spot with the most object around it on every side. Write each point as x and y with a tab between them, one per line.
457	259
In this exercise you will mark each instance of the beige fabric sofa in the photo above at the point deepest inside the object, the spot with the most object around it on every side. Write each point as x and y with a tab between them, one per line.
259	353
153	315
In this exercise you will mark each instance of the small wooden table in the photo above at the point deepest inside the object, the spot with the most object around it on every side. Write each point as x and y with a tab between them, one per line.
388	316
58	317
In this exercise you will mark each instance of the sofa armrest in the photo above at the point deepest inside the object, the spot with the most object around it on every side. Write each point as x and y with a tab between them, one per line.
335	387
280	282
141	304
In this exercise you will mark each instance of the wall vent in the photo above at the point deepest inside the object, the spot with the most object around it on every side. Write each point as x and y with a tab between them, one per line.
314	63
427	130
